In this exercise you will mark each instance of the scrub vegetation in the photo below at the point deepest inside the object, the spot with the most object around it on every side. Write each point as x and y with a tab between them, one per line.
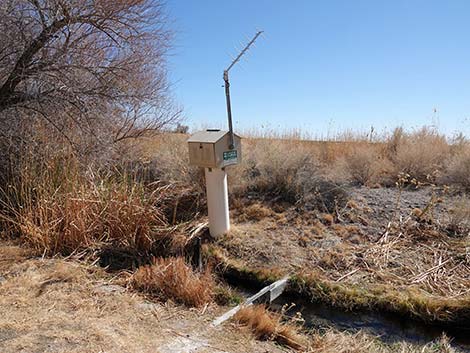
348	233
95	187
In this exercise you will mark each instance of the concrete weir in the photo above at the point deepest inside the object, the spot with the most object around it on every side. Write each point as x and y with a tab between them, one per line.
265	295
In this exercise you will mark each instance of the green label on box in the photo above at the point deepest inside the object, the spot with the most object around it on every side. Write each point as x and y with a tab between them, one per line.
230	155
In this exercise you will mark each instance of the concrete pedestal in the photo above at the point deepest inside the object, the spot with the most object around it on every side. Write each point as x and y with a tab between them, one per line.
217	201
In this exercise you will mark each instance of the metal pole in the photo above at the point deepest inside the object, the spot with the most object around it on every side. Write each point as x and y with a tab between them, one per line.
229	110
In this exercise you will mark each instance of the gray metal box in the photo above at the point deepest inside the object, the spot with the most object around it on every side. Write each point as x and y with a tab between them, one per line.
210	149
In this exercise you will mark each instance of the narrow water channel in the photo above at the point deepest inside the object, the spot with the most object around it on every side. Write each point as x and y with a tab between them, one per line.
388	327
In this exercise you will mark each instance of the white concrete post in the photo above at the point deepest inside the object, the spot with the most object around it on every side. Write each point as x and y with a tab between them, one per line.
217	201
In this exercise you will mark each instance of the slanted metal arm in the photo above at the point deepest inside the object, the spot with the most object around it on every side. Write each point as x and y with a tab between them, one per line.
227	87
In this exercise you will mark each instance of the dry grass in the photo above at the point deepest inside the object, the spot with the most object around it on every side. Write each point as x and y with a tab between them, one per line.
61	273
273	162
268	326
403	300
422	153
65	223
172	278
255	212
399	239
458	169
82	309
413	271
342	342
328	218
57	205
79	312
61	208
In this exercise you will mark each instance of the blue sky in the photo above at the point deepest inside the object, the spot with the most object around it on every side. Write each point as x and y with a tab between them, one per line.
324	66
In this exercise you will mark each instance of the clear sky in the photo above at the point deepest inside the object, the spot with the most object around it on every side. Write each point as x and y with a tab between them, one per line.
324	66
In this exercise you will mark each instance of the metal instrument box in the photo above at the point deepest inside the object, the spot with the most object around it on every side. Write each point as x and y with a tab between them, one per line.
211	149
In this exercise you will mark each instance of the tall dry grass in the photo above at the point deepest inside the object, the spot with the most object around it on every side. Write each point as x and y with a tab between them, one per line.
426	155
286	167
60	206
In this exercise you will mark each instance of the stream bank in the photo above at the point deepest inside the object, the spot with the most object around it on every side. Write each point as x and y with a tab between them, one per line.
390	326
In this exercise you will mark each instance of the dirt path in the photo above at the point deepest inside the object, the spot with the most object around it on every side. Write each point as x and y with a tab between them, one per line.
52	305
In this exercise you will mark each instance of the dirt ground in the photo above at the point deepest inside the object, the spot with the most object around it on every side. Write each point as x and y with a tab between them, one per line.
380	236
55	305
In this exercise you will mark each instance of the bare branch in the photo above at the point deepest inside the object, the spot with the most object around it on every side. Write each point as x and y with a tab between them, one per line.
88	67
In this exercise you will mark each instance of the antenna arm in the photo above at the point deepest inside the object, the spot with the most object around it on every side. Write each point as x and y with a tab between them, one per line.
227	87
243	51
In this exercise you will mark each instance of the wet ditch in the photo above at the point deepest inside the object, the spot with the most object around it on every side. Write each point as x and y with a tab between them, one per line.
389	327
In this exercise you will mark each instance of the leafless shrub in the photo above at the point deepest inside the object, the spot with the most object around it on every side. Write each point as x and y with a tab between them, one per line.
361	165
270	167
285	171
169	157
458	169
92	71
165	158
420	154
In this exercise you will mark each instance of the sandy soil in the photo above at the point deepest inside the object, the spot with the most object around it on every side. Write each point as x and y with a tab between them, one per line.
54	305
